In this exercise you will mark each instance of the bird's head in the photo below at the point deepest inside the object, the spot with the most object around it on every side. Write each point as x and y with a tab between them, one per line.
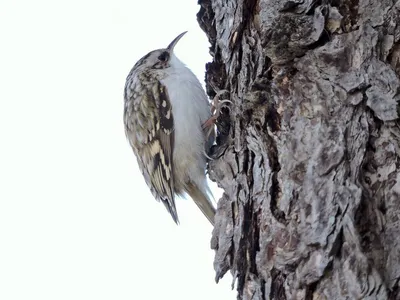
160	58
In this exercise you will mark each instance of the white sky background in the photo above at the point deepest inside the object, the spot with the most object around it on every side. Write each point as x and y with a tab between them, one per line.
77	220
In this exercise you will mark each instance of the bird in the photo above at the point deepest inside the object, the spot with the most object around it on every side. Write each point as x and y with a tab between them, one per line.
167	123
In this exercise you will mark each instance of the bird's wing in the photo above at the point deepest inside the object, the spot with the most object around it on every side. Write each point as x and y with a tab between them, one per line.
149	126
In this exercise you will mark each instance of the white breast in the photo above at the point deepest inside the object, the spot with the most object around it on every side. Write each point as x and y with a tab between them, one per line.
190	109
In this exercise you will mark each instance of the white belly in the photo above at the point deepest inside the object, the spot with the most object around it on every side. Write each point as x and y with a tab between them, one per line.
190	109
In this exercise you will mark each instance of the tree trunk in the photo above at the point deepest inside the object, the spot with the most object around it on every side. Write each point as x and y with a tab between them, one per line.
308	151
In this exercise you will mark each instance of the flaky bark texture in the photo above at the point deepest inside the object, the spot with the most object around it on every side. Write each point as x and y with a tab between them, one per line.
308	152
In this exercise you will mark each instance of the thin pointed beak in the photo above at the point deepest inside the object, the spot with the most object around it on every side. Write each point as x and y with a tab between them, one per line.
175	41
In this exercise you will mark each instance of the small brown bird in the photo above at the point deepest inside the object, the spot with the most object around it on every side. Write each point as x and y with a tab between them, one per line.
165	109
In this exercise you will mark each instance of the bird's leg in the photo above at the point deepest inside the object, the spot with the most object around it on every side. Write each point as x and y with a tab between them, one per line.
216	106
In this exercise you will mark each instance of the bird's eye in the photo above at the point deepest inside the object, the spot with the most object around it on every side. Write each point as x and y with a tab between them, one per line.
164	56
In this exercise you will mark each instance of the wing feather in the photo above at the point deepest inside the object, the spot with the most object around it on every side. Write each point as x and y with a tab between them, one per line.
149	126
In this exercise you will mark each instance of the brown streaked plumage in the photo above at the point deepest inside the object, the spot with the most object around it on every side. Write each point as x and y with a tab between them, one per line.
165	108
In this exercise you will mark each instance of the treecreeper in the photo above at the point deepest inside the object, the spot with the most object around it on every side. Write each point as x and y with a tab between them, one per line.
169	125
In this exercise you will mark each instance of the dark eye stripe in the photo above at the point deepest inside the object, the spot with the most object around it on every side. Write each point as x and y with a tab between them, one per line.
164	56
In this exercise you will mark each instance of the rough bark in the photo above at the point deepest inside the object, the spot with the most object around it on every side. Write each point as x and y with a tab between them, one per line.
308	151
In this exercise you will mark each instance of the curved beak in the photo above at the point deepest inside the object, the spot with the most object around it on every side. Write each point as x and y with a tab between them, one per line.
172	45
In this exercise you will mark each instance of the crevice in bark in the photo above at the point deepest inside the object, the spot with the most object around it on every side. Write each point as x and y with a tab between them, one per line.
275	189
215	75
262	288
394	57
349	11
248	12
394	294
274	192
310	289
205	18
277	291
234	79
323	39
337	244
248	246
273	119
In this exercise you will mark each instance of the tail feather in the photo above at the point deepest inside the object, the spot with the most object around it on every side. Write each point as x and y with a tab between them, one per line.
202	201
170	206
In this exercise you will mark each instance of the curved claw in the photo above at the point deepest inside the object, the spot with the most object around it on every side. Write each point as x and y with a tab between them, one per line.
220	104
216	106
220	92
215	101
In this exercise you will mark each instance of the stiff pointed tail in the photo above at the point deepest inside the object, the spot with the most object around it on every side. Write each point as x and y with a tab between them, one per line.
170	206
202	201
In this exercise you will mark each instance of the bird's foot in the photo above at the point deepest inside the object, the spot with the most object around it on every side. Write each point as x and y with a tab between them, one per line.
216	106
